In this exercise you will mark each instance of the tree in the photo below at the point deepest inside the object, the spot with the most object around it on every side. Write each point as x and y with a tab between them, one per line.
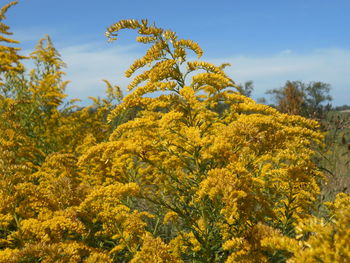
290	98
305	99
247	88
317	99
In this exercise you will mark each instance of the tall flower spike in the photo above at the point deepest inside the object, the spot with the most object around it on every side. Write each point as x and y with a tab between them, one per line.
9	57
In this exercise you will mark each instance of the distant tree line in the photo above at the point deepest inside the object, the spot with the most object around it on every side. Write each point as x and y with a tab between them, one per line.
310	100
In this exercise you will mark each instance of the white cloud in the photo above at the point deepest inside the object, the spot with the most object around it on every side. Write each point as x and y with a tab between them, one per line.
268	72
88	65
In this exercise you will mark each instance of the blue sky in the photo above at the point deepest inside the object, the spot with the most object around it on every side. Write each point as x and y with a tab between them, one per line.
269	41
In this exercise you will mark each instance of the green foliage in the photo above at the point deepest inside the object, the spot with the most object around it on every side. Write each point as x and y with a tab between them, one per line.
247	88
333	157
305	99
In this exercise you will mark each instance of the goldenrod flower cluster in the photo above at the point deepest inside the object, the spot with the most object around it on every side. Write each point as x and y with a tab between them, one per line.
182	169
9	57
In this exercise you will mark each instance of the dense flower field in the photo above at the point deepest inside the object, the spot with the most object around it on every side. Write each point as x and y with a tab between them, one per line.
182	169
